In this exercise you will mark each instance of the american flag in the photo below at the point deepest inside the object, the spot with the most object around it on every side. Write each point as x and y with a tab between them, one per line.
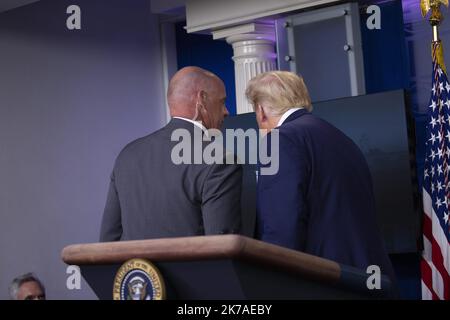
435	263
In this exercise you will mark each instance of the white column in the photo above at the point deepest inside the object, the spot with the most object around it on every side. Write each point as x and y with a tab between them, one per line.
254	53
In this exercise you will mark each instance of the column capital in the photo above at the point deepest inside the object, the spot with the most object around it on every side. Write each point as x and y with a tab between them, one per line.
254	53
250	31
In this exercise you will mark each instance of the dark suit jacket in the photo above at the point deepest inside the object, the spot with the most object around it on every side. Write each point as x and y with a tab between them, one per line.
321	200
151	197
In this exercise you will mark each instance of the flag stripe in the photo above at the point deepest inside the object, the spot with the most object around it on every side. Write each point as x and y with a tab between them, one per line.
433	230
427	278
426	293
437	256
427	205
438	278
437	261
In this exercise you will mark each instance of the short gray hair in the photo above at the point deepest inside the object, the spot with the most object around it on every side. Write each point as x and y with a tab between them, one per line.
17	282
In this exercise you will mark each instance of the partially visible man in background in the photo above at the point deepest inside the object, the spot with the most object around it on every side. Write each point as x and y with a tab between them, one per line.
27	287
321	200
152	197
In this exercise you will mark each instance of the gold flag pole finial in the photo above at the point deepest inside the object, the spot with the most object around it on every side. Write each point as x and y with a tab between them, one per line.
436	15
435	20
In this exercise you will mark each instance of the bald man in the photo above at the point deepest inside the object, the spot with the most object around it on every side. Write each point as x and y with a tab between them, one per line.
152	197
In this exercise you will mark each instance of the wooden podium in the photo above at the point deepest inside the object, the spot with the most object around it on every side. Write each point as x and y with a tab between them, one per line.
225	267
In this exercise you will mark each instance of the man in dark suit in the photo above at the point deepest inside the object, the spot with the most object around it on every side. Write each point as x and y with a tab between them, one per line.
321	199
153	196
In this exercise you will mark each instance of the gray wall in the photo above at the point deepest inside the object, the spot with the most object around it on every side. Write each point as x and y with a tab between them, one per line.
69	101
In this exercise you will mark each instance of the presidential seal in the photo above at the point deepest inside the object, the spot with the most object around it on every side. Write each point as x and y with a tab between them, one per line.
138	279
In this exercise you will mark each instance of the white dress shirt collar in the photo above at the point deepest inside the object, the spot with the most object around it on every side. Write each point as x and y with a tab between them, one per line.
286	115
196	123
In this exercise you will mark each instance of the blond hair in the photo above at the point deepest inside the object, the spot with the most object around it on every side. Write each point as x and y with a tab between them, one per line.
279	91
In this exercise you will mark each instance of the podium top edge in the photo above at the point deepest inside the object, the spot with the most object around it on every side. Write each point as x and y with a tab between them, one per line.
215	247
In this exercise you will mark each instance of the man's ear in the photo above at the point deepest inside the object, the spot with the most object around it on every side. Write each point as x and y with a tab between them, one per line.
201	97
200	104
261	113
